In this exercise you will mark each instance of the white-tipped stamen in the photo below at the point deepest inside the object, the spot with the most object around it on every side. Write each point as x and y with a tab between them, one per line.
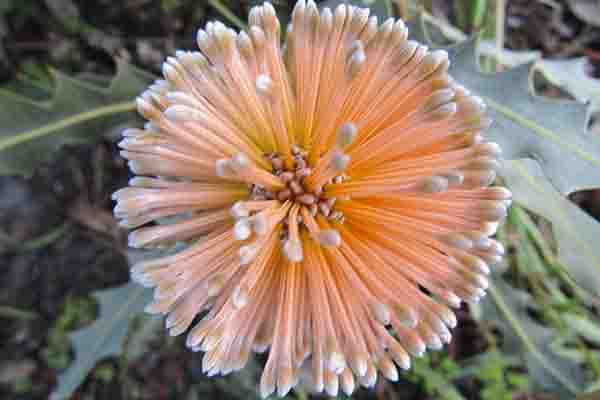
238	210
248	253
346	135
222	167
347	382
260	223
388	369
434	184
240	297
264	85
293	250
357	59
242	229
330	237
340	161
239	162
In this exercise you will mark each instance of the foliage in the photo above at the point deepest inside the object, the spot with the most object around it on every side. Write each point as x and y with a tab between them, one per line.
540	322
575	232
435	372
570	75
541	136
77	111
498	380
587	10
103	338
77	311
553	132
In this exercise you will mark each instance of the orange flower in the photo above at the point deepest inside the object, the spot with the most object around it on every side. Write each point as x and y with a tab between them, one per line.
334	194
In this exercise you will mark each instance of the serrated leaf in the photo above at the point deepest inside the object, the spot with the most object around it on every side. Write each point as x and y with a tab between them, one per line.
576	233
553	132
103	338
507	57
570	75
588	11
523	336
77	112
117	307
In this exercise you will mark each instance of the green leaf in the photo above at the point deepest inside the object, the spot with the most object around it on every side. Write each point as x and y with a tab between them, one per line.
554	154
588	11
553	132
527	126
436	380
78	111
103	338
507	57
117	308
523	336
562	347
570	75
576	233
584	327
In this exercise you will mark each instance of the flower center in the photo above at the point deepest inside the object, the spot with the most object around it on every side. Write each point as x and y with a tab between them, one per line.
295	205
296	190
290	198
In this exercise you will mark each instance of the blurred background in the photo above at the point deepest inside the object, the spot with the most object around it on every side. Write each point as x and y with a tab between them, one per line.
60	247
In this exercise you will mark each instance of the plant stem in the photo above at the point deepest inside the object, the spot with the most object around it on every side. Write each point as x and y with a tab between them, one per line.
403	9
12	140
535	234
529	345
300	392
228	14
45	239
11	312
470	14
500	20
478	12
549	256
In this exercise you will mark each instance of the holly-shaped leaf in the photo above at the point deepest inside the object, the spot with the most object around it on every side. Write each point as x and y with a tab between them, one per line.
78	111
576	233
105	337
571	76
552	132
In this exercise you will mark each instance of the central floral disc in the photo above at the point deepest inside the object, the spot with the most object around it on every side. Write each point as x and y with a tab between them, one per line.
303	199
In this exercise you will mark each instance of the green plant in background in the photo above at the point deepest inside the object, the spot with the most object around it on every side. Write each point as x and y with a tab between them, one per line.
498	374
542	301
498	381
434	372
77	311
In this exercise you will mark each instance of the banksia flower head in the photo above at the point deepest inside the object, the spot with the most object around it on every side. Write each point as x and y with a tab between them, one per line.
334	195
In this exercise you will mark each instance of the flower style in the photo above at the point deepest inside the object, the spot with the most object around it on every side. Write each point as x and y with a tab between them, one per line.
334	195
